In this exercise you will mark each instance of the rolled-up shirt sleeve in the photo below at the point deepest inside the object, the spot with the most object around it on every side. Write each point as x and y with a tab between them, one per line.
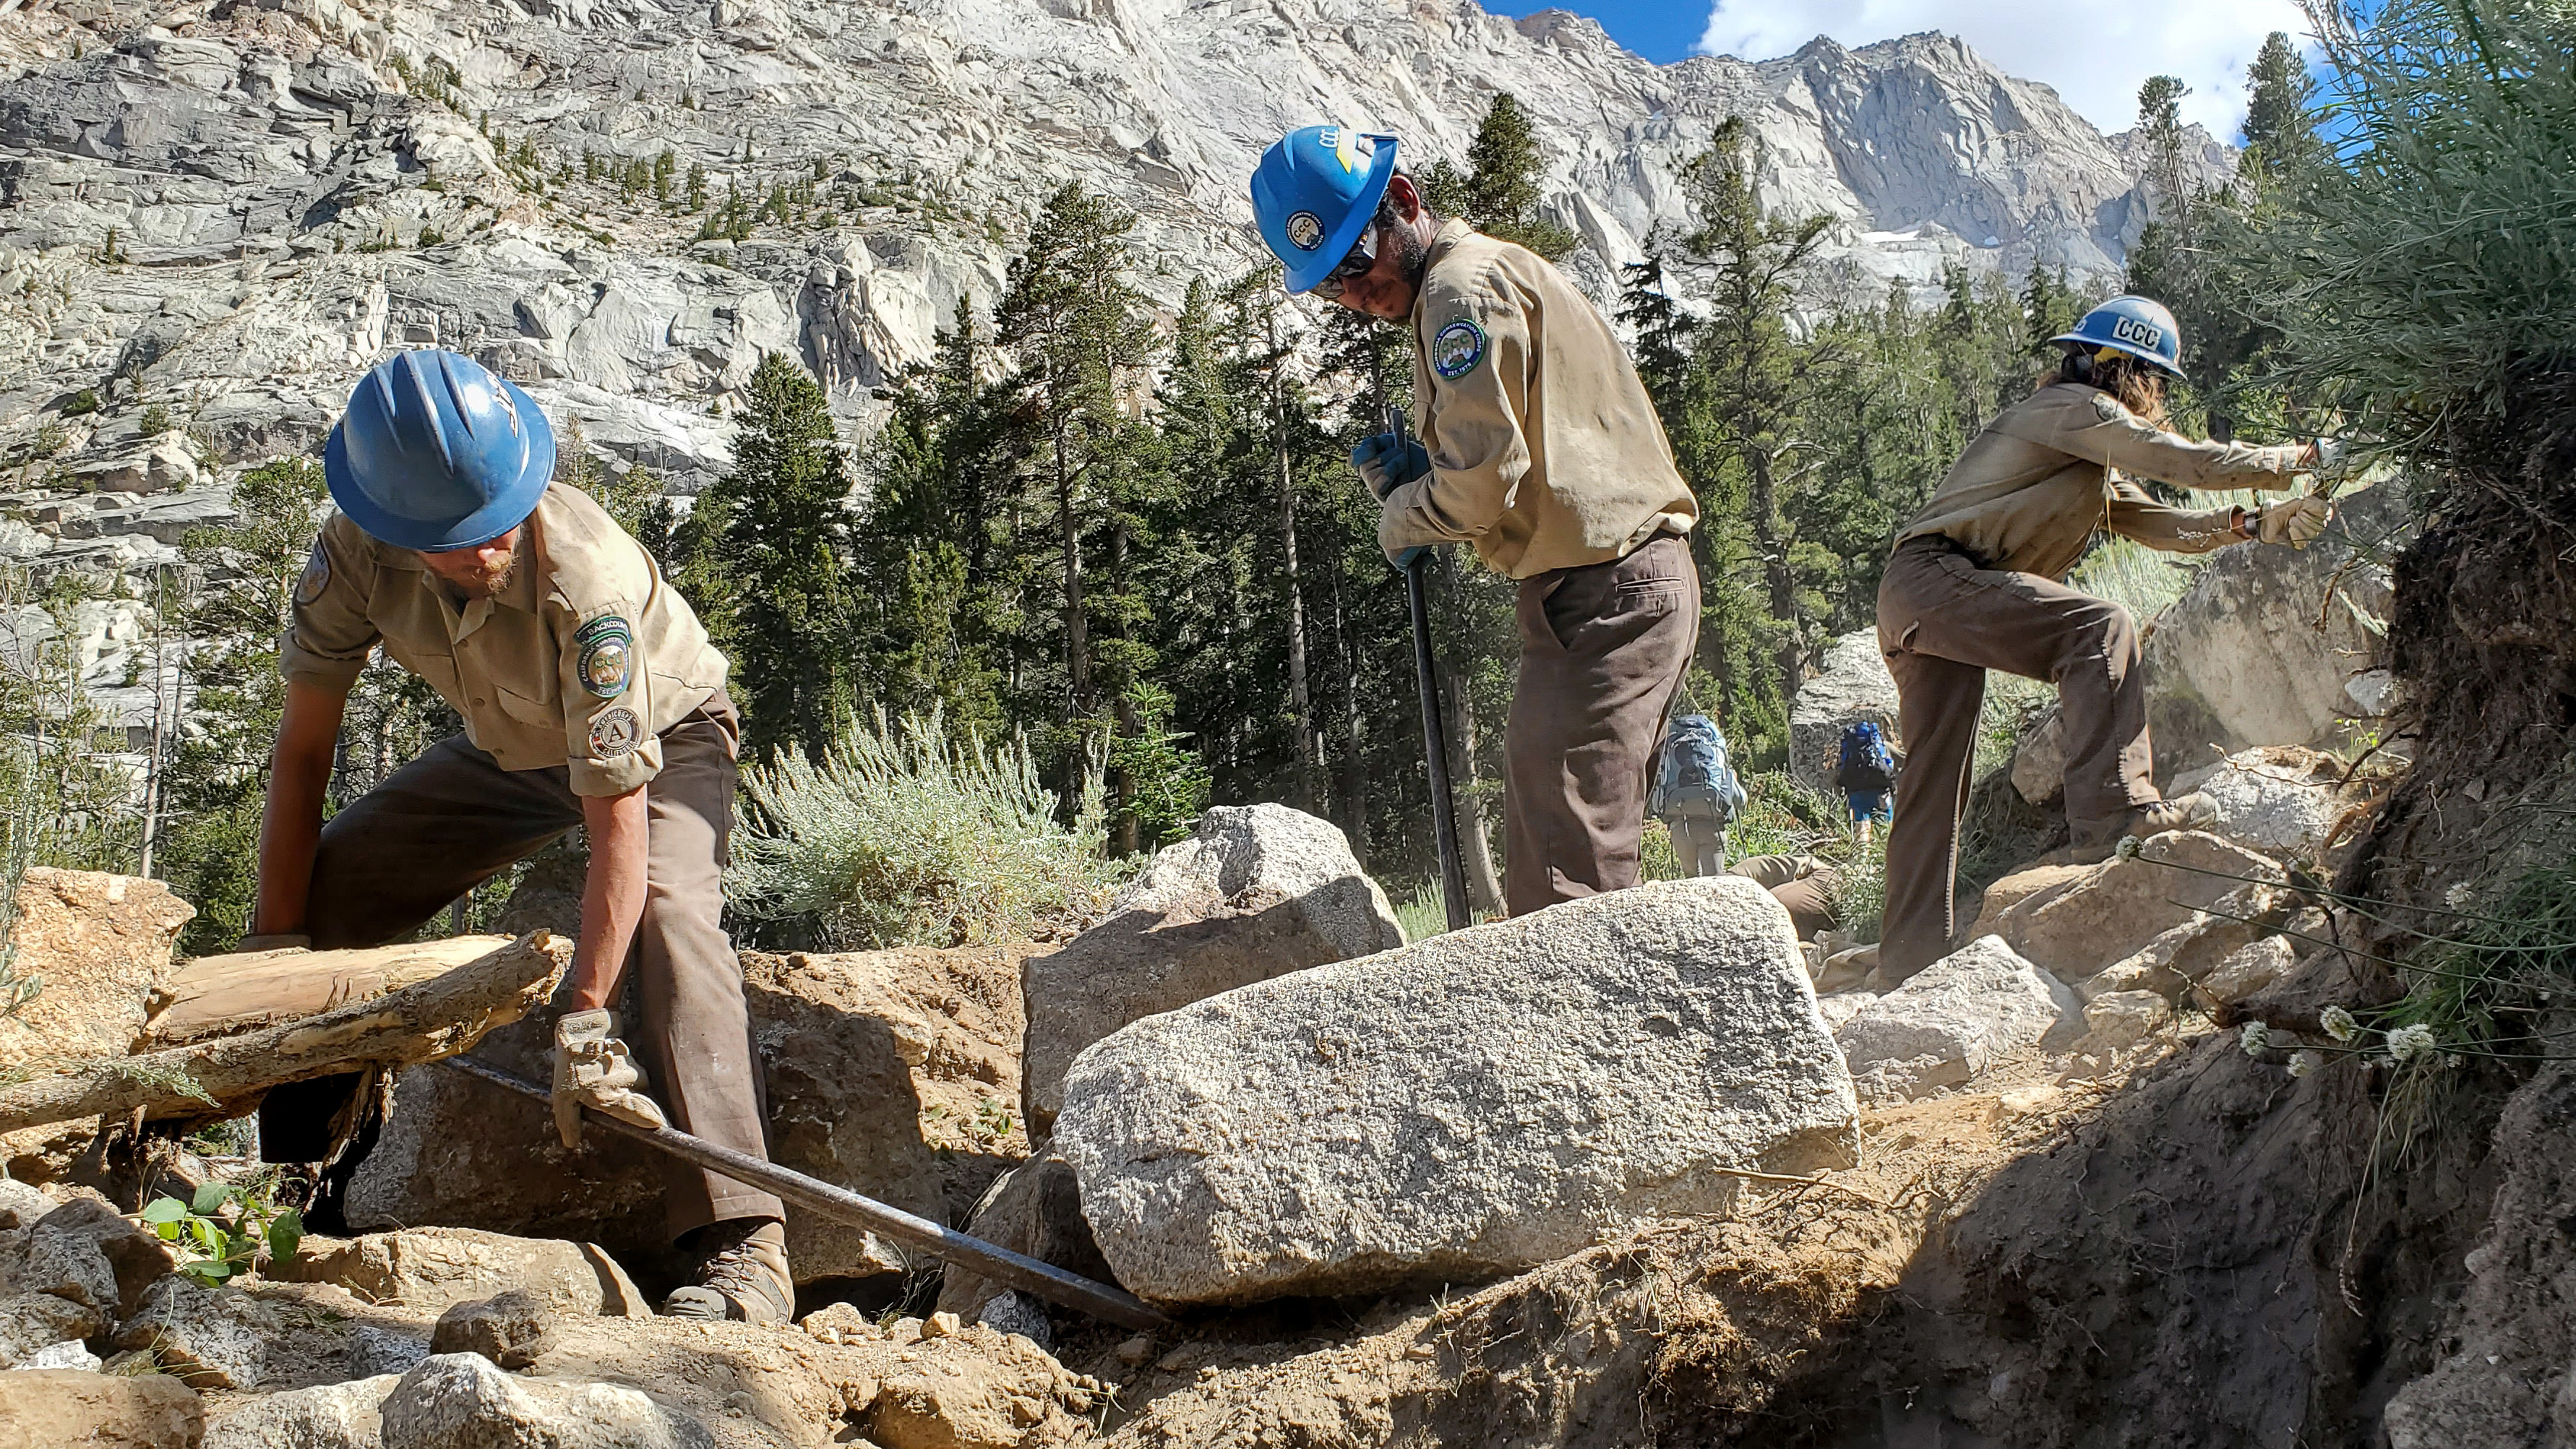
1477	364
607	702
328	633
2134	514
2115	437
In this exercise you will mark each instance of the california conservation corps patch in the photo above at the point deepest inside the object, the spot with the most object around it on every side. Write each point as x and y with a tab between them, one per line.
606	663
1457	348
315	578
1305	231
614	733
2107	408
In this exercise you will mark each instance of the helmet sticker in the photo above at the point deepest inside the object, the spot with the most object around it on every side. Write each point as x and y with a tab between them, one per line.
607	656
1457	349
1305	231
2137	333
315	578
615	734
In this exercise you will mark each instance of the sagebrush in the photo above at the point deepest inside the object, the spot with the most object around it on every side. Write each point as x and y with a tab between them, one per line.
898	835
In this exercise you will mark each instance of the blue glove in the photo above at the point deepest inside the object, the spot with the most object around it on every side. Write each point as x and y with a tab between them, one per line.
1385	467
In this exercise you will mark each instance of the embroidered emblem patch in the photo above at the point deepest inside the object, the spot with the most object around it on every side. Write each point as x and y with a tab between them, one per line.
615	733
2107	408
315	578
1305	231
607	656
1457	348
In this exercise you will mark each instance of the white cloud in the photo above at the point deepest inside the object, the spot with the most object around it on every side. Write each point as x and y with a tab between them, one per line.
2095	55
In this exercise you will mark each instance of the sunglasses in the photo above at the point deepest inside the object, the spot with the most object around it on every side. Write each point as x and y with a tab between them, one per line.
1363	256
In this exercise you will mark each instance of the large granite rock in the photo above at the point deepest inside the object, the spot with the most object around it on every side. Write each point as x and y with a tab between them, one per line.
102	945
892	1073
1255	892
1957	1019
427	1269
1853	686
2282	801
2073	921
1466	1106
462	1401
326	1416
40	1409
2260	649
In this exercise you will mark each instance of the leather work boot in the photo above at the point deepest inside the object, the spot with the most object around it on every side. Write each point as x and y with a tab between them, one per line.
742	1274
2098	842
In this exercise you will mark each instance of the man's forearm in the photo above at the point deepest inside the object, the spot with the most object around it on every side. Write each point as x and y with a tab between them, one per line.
290	825
612	896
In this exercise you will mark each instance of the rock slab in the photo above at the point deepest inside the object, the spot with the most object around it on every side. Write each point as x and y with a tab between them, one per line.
2072	921
429	1269
1853	687
102	945
460	1401
1467	1106
43	1408
1957	1019
1257	891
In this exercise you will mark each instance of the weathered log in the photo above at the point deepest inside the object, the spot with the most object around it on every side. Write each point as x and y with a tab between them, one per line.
423	1022
216	996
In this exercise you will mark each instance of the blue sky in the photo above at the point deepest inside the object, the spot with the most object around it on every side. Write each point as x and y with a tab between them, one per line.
2096	56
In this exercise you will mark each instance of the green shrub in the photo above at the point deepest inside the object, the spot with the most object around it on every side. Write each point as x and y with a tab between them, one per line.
83	401
155	421
899	836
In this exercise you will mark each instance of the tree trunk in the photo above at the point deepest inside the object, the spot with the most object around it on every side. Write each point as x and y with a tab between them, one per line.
220	1078
1301	704
1775	569
1077	642
1475	844
1128	836
1354	746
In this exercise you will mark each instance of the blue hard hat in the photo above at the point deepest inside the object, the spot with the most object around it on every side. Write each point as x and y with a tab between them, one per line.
2138	326
436	453
1315	191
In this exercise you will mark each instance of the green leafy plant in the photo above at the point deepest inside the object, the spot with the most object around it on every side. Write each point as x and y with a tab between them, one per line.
212	1248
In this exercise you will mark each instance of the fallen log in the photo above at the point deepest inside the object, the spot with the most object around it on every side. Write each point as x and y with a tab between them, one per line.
422	1022
216	996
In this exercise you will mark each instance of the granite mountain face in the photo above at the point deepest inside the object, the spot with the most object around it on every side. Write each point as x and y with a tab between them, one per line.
231	207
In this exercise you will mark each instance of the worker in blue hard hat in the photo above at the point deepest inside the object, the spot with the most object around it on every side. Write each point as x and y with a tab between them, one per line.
1538	446
1975	583
590	697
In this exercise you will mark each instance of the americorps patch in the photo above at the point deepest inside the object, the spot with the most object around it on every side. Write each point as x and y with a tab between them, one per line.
1457	348
614	733
316	576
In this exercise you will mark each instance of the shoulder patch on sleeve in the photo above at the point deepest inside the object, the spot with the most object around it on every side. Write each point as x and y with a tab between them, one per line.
2107	408
615	733
606	663
1457	349
316	576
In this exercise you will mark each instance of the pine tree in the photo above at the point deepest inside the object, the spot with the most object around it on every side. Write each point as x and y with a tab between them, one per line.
1500	194
2280	130
786	542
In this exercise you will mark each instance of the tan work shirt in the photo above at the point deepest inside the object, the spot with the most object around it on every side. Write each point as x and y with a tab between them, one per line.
2032	488
1545	451
582	661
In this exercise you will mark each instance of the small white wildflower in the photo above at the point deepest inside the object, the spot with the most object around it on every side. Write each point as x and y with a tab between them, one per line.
2304	1062
2339	1024
2458	896
2255	1038
2128	847
2409	1042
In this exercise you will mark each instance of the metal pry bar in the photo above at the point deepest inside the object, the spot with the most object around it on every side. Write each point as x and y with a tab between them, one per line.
1047	1281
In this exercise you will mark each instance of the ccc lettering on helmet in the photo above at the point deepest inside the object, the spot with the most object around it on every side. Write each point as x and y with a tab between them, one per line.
2138	334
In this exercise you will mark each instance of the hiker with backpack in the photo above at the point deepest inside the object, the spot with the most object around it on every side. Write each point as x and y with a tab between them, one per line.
1865	772
1695	793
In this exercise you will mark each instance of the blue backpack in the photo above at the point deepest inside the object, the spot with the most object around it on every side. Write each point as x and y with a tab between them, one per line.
1693	780
1864	767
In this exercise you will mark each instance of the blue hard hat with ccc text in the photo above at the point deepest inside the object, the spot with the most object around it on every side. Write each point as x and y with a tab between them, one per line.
1315	191
437	453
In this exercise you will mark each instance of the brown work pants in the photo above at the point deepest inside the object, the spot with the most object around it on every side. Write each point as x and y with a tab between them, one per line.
453	818
1943	621
1603	651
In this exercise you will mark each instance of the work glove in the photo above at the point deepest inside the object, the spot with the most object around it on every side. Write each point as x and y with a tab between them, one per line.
2296	521
1386	463
593	1069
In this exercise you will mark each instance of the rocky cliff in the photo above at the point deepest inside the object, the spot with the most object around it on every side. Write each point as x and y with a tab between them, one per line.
230	207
